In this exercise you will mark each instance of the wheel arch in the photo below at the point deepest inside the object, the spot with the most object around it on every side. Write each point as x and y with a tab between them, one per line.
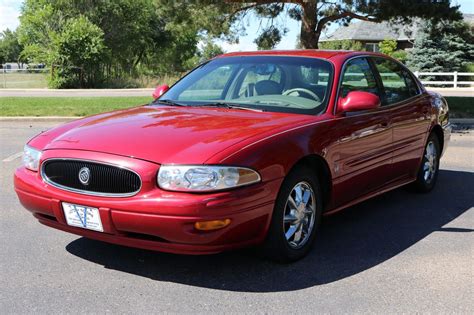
438	131
319	164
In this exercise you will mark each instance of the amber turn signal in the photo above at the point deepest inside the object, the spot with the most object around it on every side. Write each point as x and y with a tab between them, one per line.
211	225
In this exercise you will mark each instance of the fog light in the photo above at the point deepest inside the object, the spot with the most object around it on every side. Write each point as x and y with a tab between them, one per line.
211	225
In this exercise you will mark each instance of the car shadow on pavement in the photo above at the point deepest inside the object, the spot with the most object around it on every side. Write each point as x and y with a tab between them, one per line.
350	242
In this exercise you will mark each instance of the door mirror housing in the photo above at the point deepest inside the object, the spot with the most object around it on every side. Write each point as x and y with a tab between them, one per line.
160	90
357	101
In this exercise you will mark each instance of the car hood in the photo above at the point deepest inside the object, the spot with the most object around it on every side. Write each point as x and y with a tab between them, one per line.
165	134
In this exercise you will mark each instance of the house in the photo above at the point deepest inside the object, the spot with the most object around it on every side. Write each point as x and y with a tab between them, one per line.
370	34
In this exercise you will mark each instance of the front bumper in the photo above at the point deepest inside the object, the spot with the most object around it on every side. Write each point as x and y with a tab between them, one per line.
155	219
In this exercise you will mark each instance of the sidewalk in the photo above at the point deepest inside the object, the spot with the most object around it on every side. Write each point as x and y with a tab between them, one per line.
466	92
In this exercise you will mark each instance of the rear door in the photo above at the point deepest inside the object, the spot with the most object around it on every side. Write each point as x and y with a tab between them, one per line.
361	155
409	114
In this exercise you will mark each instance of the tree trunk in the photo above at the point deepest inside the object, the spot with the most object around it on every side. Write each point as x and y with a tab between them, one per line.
308	36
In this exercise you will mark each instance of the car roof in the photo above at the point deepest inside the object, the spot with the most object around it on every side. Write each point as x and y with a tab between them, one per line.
315	53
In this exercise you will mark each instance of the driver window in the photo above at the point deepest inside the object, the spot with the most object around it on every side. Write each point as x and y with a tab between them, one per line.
358	76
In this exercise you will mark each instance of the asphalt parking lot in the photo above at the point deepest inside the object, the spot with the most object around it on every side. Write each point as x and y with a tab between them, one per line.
400	252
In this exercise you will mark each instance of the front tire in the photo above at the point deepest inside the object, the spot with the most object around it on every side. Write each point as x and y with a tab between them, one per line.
428	171
296	217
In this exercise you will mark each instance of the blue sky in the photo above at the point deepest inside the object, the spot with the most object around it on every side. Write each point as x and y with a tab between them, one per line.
10	11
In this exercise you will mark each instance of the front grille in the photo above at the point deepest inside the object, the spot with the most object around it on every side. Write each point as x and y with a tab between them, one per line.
95	178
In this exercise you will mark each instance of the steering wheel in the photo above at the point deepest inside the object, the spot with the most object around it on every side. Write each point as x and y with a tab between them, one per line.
304	91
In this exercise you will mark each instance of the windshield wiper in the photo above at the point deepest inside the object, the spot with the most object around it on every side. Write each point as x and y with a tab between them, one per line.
168	102
216	104
230	106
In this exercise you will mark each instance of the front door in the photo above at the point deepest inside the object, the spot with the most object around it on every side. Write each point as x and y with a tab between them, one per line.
361	156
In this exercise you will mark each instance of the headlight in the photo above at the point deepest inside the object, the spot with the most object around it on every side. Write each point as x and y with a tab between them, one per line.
31	158
204	178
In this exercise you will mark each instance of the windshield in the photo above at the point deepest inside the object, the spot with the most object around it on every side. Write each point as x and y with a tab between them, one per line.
270	83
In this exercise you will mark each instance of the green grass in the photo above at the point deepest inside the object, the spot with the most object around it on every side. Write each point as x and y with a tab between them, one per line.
461	107
23	80
66	106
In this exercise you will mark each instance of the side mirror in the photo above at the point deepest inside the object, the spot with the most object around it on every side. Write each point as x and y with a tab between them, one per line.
160	90
357	101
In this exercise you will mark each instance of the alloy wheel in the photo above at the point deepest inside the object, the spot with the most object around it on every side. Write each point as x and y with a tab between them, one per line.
300	213
431	162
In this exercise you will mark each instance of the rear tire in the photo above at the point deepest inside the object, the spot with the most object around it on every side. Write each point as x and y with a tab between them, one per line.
296	217
429	167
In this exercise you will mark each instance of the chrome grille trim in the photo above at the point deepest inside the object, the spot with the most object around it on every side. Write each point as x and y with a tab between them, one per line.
85	192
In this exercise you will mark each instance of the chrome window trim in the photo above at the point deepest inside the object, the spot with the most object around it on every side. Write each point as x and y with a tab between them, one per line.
84	192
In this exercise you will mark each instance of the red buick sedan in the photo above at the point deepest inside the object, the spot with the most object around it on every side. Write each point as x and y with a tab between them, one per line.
247	149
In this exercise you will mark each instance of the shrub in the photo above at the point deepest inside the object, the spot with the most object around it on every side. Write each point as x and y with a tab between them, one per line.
388	46
345	44
401	55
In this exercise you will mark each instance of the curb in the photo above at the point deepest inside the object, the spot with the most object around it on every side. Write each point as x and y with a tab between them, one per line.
462	121
462	124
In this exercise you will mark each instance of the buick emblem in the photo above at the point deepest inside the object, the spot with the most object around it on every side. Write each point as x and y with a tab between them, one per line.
84	175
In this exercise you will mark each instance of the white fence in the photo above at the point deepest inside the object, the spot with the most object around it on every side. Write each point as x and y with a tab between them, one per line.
455	78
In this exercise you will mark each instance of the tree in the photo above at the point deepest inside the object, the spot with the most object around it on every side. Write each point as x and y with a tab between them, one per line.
187	23
442	46
268	39
140	37
130	29
10	48
78	51
210	50
207	50
316	15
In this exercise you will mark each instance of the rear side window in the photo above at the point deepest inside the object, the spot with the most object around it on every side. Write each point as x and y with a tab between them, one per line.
358	76
398	84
